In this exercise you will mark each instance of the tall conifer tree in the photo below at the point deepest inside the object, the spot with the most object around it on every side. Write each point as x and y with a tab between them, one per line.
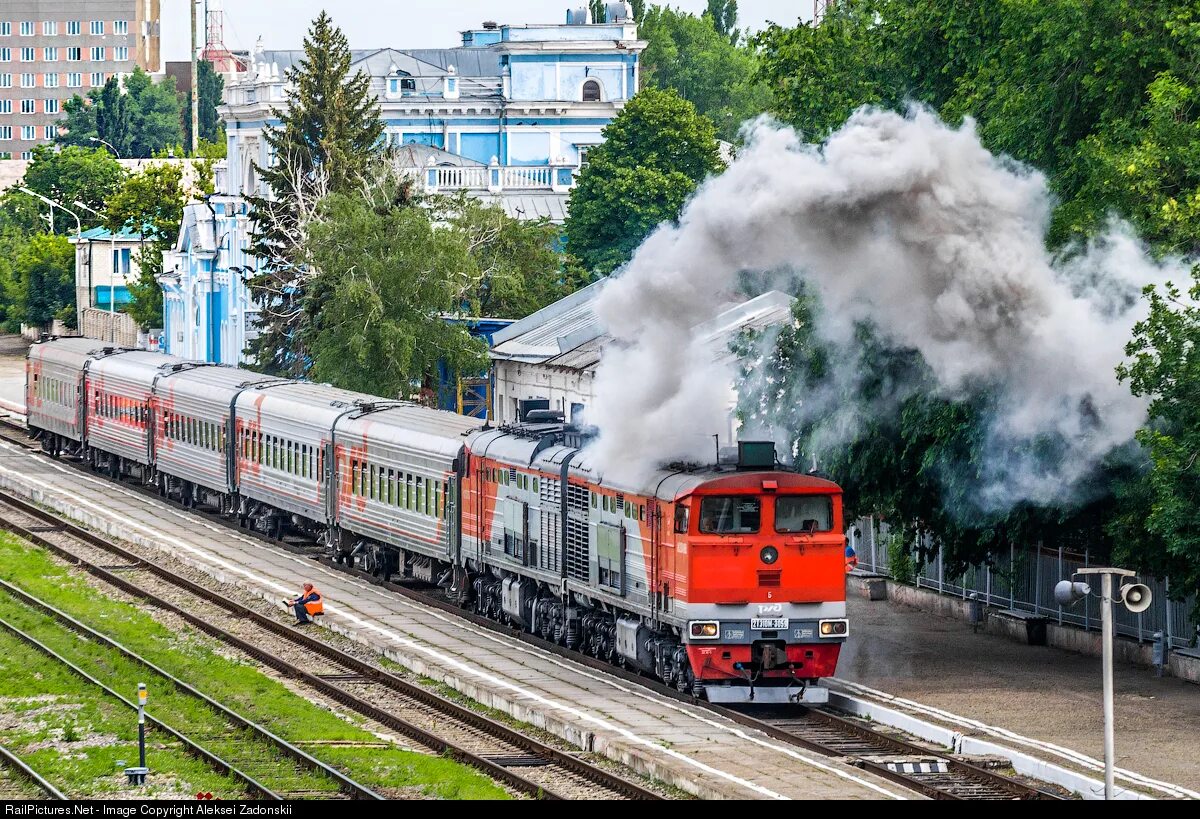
328	134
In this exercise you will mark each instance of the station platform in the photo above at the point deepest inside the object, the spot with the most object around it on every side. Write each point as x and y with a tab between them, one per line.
1040	700
684	746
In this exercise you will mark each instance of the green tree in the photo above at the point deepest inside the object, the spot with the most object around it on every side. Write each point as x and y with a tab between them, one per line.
655	153
519	269
704	65
138	119
1164	366
46	267
150	202
70	175
724	15
211	84
325	143
386	276
154	114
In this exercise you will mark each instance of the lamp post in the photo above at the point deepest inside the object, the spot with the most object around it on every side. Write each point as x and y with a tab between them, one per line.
105	142
1136	597
112	274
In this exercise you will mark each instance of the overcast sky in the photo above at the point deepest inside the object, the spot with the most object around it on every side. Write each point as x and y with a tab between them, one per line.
407	23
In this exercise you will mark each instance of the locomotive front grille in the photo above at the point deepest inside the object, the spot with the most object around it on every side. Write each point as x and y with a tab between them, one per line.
769	579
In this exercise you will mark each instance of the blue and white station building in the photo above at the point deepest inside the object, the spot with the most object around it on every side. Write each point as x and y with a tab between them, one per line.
508	116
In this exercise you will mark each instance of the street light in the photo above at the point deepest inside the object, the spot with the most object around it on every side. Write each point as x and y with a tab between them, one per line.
53	205
116	153
112	274
1136	597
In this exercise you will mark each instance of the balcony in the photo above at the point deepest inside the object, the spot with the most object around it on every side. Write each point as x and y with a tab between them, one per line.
496	178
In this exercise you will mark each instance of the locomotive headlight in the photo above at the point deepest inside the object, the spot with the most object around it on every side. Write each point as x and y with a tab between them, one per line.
704	629
834	628
769	554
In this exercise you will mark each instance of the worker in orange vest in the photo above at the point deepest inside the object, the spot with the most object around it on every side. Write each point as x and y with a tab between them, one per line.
310	603
851	558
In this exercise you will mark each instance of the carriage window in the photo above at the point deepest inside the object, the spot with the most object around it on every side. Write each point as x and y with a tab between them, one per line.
803	513
354	477
408	491
391	487
420	495
729	515
681	518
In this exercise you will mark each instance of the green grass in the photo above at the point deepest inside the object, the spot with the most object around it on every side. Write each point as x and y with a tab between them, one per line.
197	659
43	704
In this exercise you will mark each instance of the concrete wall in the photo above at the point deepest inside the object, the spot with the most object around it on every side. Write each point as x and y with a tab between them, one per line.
1066	637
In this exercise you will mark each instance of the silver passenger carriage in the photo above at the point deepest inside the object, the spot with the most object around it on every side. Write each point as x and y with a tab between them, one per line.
54	398
120	388
193	404
396	479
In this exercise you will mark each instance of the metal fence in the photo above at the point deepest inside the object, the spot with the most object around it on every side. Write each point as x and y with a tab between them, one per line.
1024	580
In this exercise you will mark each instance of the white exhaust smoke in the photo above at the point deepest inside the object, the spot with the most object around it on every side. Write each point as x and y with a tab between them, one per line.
915	227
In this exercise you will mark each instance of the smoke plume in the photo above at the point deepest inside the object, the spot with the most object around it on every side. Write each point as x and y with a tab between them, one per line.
914	227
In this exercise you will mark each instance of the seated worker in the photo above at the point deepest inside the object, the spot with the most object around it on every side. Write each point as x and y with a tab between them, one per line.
851	558
310	603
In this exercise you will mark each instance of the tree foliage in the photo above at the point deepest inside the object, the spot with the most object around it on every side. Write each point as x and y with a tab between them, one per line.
138	118
325	143
655	153
45	268
705	64
392	267
151	203
208	93
67	176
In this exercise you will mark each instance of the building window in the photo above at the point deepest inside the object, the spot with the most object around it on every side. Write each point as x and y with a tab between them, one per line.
28	106
29	81
120	27
5	80
97	54
5	55
5	132
121	53
121	261
51	105
5	29
5	106
50	80
49	28
28	133
27	28
74	80
591	91
27	55
74	54
5	154
50	54
49	130
73	27
97	79
97	27
26	154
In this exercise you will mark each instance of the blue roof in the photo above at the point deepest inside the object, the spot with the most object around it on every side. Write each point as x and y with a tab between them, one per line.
104	233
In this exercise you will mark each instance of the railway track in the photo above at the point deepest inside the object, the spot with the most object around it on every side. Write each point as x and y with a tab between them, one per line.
267	765
18	780
818	730
441	725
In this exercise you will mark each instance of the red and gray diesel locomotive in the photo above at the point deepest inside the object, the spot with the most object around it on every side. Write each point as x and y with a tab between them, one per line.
727	581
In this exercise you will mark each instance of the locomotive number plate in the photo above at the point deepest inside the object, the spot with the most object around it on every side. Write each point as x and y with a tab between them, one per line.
771	623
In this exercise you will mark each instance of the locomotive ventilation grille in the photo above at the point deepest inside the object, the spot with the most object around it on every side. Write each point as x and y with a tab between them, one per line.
769	579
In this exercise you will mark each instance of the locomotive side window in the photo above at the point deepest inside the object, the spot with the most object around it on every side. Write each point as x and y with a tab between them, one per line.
681	519
729	515
803	513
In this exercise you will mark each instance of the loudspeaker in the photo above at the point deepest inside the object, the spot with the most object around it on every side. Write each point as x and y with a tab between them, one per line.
1068	593
1136	597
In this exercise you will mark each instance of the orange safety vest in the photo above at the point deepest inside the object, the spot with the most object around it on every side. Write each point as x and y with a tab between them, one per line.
314	606
851	563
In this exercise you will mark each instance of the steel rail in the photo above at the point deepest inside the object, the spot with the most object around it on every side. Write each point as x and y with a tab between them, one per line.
442	705
345	783
11	760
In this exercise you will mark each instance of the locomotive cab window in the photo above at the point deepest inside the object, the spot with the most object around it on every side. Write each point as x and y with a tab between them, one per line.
803	513
737	514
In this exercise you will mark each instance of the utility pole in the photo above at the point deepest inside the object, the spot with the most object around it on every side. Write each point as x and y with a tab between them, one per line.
195	85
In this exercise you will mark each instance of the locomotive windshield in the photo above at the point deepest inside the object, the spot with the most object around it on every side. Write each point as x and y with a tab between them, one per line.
803	513
737	514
